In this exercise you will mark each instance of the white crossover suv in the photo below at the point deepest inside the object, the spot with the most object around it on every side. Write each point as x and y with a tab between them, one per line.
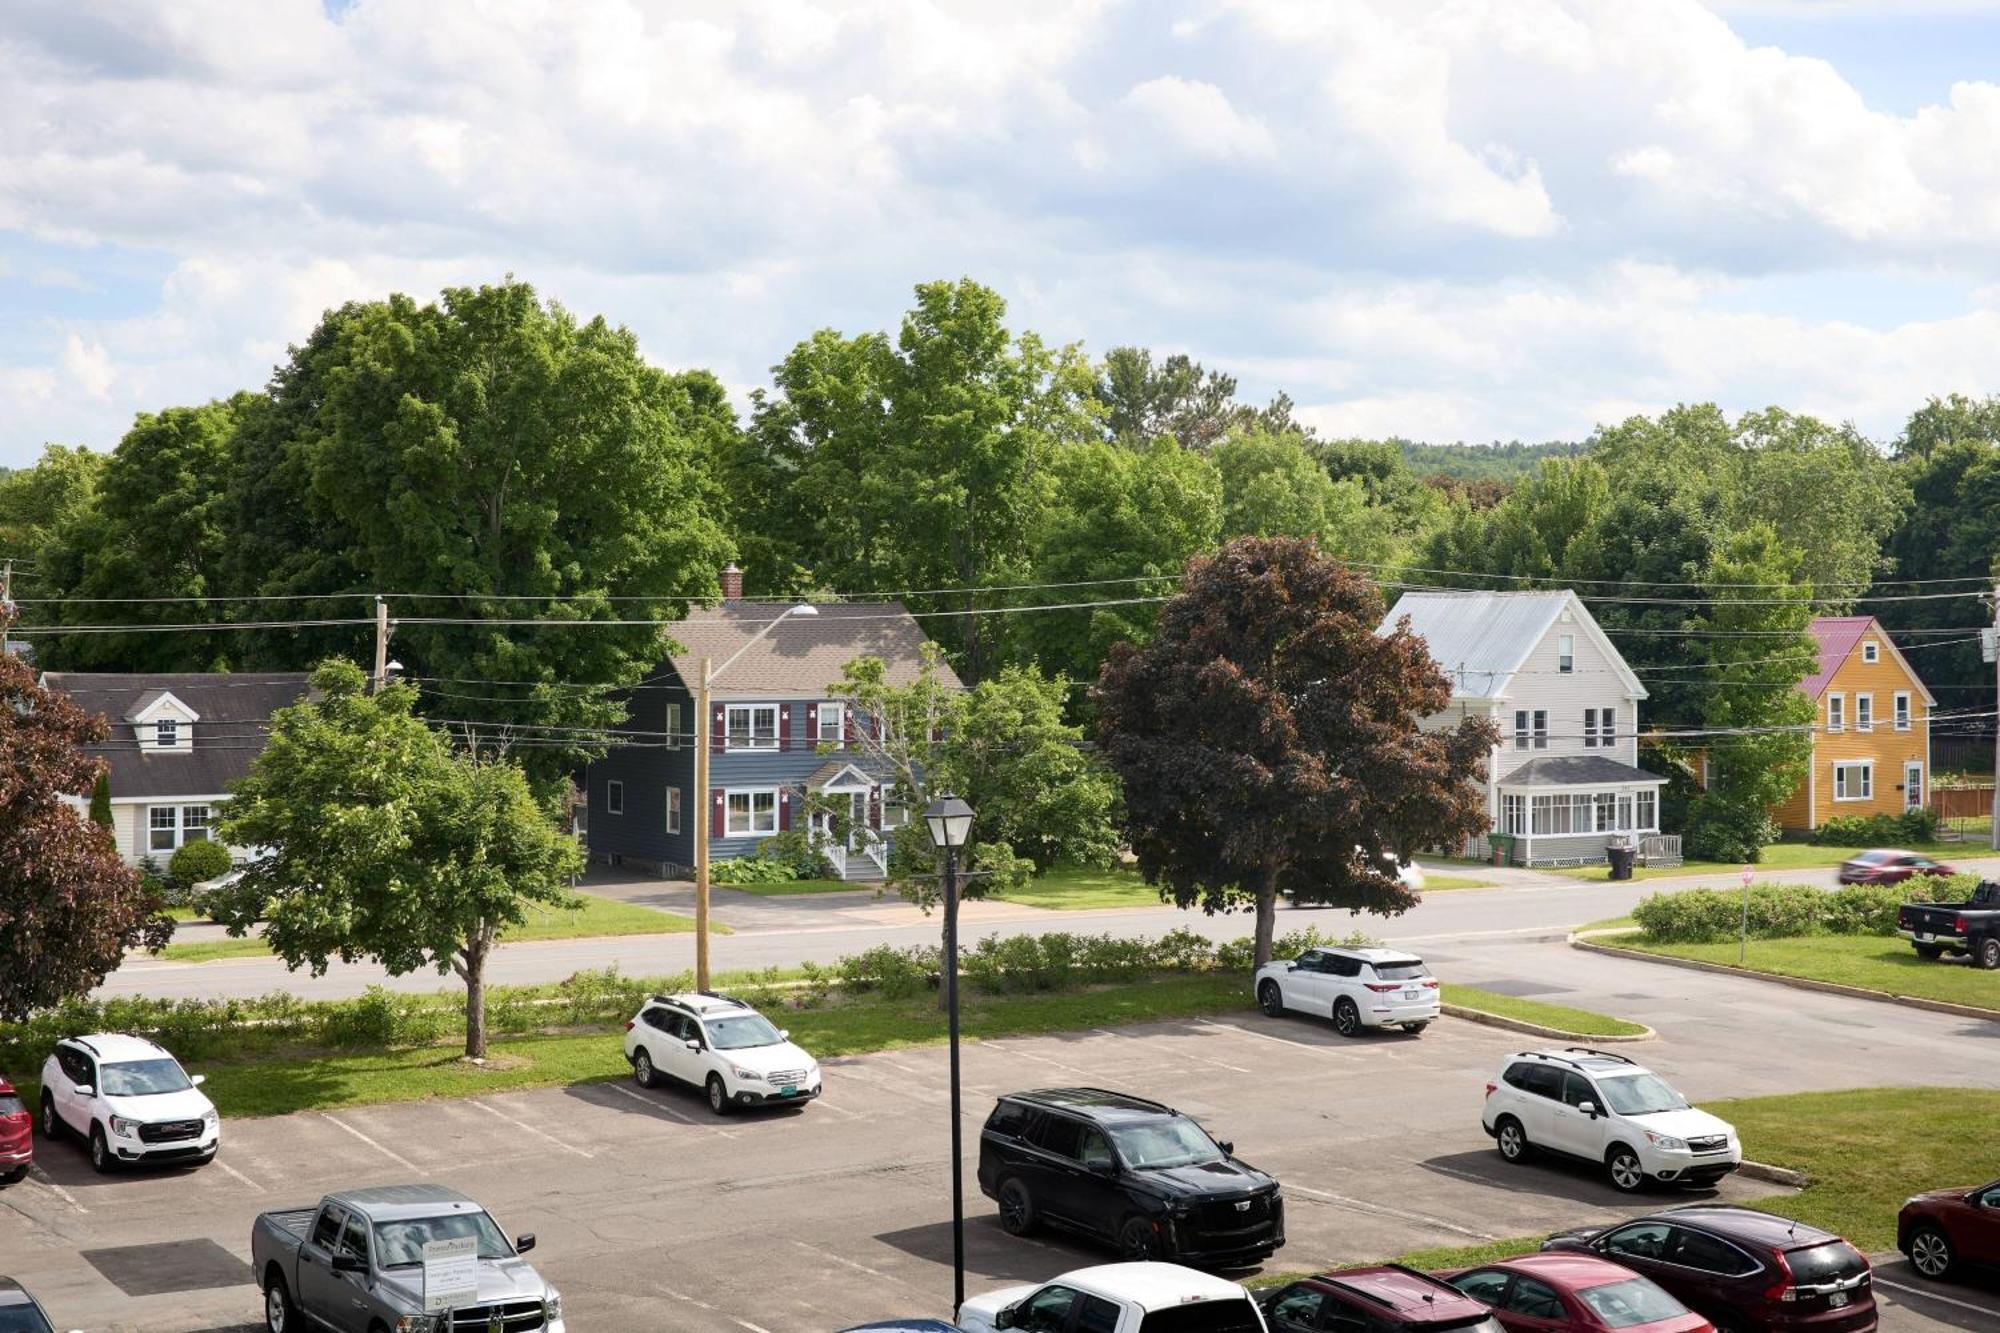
722	1046
1604	1108
129	1099
1118	1298
1356	988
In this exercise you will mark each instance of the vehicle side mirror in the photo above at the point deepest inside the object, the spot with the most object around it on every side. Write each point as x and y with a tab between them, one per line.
1104	1169
347	1263
694	1045
784	1034
1292	966
524	1242
198	1080
1588	1108
85	1090
1228	1148
1005	1318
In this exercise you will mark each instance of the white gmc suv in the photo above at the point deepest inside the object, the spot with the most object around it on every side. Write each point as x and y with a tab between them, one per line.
722	1046
129	1099
1118	1298
1604	1108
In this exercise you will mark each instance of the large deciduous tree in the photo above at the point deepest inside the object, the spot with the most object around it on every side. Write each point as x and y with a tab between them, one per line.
1268	740
69	909
35	501
385	842
1273	485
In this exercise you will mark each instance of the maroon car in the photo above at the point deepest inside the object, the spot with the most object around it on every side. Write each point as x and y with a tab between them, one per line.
1574	1293
17	1140
1886	865
1746	1271
1388	1298
1946	1230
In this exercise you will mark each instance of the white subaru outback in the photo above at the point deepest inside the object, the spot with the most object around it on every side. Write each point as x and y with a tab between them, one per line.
721	1046
1604	1108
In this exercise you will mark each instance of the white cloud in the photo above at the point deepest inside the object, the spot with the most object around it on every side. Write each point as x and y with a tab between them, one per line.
88	365
1198	117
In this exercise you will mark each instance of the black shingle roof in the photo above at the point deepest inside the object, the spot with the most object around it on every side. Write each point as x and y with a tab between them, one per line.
234	718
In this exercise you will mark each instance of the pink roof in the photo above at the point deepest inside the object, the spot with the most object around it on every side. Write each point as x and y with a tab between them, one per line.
1837	636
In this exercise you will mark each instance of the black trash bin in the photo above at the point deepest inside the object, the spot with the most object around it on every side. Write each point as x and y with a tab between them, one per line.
1621	861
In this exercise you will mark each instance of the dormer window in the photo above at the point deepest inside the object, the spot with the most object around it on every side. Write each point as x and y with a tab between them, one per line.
1871	652
167	733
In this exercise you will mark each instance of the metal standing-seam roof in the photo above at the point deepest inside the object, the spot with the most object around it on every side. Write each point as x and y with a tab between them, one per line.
1479	639
1836	636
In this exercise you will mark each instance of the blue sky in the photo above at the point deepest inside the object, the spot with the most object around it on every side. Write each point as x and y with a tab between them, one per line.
1445	219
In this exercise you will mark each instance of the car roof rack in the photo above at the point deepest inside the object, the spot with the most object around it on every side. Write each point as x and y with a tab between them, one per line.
1603	1055
726	999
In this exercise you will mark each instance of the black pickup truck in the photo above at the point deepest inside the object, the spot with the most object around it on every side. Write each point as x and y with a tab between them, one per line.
1971	927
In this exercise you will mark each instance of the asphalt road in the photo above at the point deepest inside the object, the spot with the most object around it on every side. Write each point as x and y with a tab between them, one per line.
653	1215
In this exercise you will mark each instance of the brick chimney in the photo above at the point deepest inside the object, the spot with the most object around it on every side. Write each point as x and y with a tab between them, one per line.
732	583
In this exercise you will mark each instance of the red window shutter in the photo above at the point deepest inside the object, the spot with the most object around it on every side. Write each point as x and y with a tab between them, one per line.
720	728
784	809
875	807
718	812
847	726
784	726
812	724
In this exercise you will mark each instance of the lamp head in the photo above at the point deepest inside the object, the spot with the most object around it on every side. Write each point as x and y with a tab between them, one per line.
950	821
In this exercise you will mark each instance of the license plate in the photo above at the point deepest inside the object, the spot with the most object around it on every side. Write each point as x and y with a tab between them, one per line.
790	1089
1838	1299
1412	994
1923	935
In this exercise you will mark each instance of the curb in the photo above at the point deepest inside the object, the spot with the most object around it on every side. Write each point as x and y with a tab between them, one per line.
1796	983
1776	1175
1536	1029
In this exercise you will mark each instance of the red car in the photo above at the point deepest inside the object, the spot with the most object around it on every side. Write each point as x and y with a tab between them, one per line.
17	1141
1386	1299
1574	1293
1886	865
1946	1230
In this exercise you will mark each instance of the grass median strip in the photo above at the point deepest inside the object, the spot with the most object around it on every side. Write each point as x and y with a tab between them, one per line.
1873	962
1559	1016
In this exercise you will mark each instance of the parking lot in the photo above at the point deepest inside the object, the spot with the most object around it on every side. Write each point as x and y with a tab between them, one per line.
653	1215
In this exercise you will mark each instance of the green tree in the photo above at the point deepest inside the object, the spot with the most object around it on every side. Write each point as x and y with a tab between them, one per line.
1950	460
1267	740
387	843
1177	399
100	801
1274	486
35	501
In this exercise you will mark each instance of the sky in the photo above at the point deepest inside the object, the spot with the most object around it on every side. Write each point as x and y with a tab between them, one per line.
1439	219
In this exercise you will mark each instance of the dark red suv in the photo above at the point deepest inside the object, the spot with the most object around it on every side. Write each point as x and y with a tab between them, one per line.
17	1140
1364	1300
1743	1270
1946	1230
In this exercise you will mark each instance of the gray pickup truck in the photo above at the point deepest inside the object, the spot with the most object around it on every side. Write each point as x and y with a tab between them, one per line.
355	1264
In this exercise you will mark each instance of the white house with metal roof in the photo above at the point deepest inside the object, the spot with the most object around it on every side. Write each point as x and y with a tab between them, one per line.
1564	780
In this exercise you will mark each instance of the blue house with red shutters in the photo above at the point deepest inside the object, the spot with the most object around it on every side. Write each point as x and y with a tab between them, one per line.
774	736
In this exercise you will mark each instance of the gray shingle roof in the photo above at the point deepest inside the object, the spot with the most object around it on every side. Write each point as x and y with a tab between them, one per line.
235	711
1573	770
804	654
1480	639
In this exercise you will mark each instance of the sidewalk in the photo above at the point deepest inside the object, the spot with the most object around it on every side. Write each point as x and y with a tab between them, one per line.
864	906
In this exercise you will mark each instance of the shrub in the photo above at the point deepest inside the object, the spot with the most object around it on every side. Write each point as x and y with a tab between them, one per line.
895	973
1776	911
1875	830
752	870
197	863
1720	832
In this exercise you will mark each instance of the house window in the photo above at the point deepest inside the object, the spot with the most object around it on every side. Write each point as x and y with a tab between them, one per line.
194	823
1864	712
1645	817
1590	728
614	798
1871	652
1607	811
752	813
1520	728
1902	710
833	724
1836	712
1854	782
167	733
162	828
1541	729
673	809
1625	811
673	726
1566	653
1607	727
894	813
1514	815
753	726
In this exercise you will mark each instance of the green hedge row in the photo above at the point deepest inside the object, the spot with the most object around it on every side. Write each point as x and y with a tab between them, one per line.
1784	911
1877	830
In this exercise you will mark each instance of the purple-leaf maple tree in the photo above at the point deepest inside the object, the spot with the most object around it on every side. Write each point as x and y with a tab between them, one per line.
69	908
1268	739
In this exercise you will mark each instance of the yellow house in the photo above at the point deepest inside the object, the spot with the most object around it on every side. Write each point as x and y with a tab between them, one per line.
1872	736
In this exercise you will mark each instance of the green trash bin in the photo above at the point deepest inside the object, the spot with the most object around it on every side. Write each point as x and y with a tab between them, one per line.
1503	848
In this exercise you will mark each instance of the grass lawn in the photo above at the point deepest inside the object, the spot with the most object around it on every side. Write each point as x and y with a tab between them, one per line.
1778	857
1435	883
1878	962
1611	923
596	916
1534	1011
793	888
1069	888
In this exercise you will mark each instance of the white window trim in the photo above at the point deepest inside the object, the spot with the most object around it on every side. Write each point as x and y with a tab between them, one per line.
673	809
1590	728
164	728
1867	767
178	829
1864	712
753	746
614	797
674	719
1902	710
1915	766
1836	712
1566	654
1871	652
729	793
838	711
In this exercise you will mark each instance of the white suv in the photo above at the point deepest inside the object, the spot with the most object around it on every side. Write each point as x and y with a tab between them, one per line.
1604	1108
129	1099
1357	988
1118	1298
722	1046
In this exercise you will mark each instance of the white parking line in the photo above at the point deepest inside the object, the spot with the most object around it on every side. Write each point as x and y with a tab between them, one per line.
234	1174
857	1267
673	1113
397	1158
61	1193
1933	1296
704	1305
1185	1055
1282	1041
1038	1059
527	1128
1362	1205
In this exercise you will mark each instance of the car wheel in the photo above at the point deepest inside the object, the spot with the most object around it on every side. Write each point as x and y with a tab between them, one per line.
1415	1029
1017	1208
1931	1254
277	1303
1622	1165
16	1176
1511	1140
1930	950
642	1069
1271	999
718	1095
52	1125
1346	1018
1989	953
1138	1239
101	1159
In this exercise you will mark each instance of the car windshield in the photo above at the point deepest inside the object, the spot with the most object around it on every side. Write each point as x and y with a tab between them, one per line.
22	1318
1152	1144
400	1244
742	1031
11	1105
1226	1316
143	1078
1640	1094
1402	969
1633	1301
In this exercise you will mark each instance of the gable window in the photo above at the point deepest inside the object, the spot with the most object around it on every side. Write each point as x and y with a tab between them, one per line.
1871	652
162	828
1902	710
1566	653
1590	728
673	726
752	726
1520	728
1541	729
1836	712
1607	727
833	724
167	733
1854	781
614	797
1864	712
673	809
752	812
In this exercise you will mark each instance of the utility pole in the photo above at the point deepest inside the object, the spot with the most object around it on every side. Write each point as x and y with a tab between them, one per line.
706	813
7	590
381	676
1994	833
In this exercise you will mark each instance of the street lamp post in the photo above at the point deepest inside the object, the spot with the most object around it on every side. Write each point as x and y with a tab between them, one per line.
701	823
950	821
